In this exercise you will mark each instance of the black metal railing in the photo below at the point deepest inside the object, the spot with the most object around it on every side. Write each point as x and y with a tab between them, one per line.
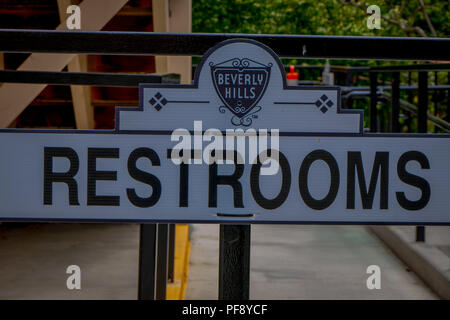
421	110
196	44
85	78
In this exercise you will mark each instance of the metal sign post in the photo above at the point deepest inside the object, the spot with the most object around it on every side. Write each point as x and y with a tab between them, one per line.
147	262
234	262
162	258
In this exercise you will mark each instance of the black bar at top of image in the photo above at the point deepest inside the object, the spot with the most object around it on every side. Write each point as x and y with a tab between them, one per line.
196	44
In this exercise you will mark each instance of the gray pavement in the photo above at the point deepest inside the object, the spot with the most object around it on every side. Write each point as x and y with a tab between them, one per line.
306	262
430	260
34	259
288	262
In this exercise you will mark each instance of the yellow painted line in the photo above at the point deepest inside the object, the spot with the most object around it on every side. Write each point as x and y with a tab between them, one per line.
177	289
186	272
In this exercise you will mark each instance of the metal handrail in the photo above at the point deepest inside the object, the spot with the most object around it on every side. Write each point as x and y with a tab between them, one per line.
405	105
85	78
196	44
413	68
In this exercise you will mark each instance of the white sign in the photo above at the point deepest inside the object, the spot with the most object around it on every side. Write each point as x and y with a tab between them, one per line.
156	166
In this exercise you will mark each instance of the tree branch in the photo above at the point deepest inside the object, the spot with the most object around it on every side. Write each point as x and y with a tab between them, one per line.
400	24
427	18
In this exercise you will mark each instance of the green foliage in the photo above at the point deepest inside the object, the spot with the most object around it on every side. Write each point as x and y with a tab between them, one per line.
326	17
401	18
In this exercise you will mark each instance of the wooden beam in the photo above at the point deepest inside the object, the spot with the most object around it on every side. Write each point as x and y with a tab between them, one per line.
14	98
160	15
135	12
81	95
180	21
173	16
13	124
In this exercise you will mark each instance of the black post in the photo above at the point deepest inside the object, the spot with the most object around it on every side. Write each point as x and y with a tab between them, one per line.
161	261
422	128
410	100
147	262
234	262
349	78
395	126
171	267
373	101
423	102
409	92
349	103
435	99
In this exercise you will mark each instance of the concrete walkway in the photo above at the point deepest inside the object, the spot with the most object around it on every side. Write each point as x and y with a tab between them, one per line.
288	262
34	259
306	262
430	260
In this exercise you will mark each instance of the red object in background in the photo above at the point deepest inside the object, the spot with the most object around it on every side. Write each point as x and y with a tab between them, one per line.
292	75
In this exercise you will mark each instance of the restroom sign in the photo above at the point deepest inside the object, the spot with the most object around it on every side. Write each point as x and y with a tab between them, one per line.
238	145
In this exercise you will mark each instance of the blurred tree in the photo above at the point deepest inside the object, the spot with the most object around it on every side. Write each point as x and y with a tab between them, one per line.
330	17
400	18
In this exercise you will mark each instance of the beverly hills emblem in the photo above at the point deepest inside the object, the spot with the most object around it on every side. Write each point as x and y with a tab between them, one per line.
240	84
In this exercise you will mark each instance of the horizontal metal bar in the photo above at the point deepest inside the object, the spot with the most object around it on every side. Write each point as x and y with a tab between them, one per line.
85	78
346	89
414	68
332	68
196	44
319	68
39	102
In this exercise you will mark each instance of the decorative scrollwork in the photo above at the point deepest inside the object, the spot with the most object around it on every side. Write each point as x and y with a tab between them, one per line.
247	120
240	63
244	121
245	62
236	62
